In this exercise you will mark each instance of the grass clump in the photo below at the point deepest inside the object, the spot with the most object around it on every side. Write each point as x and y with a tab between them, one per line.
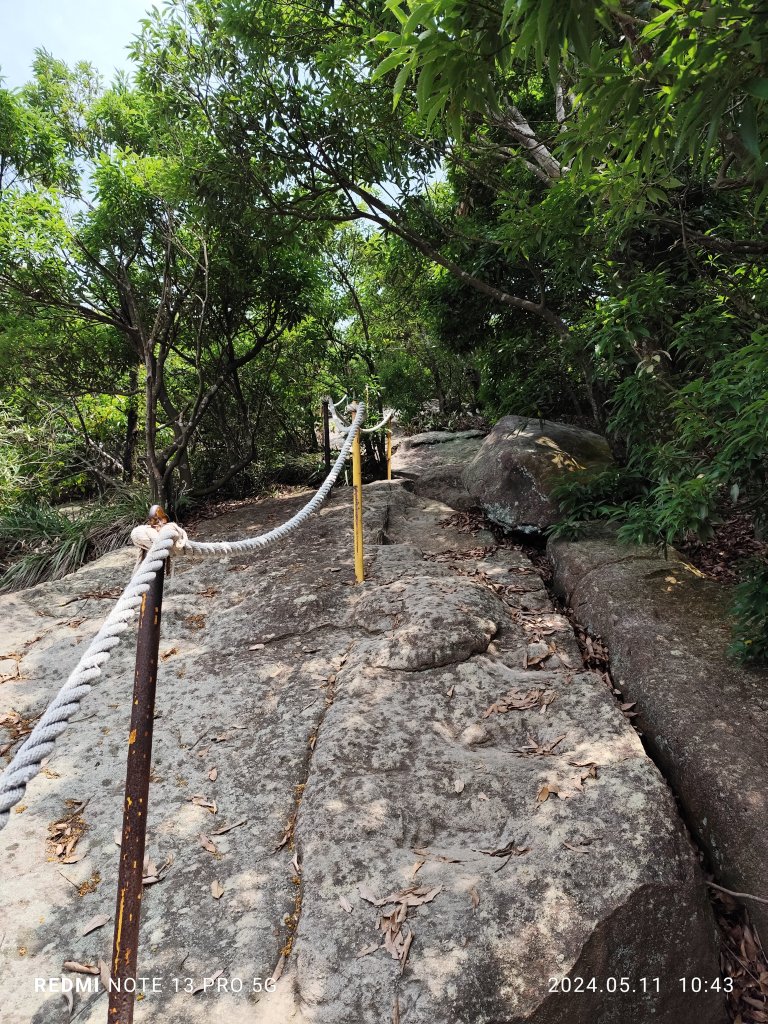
39	542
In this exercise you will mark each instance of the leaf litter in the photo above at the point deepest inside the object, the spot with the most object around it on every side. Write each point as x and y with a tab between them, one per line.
199	800
65	834
743	959
521	700
152	873
537	748
397	933
96	922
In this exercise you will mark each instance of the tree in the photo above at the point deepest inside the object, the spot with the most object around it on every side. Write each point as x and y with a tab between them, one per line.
109	222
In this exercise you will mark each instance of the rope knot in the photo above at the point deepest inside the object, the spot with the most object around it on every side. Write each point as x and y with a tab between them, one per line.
144	536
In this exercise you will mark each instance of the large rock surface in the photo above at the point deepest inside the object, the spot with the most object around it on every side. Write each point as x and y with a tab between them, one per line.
435	462
522	460
704	718
350	728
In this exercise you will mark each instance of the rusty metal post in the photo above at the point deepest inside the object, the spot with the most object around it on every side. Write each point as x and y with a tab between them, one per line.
129	886
326	437
357	509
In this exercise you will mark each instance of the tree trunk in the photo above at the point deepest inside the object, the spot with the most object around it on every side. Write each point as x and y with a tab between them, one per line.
131	427
157	482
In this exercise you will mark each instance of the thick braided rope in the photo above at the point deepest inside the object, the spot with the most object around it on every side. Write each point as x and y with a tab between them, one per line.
226	547
54	720
339	423
384	422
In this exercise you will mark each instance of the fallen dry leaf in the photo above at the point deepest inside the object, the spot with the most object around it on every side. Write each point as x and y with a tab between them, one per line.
536	653
105	977
228	828
475	896
278	971
287	836
367	893
202	801
537	748
405	949
506	851
207	843
217	889
367	950
515	700
546	699
458	786
207	981
345	904
152	873
213	774
576	847
96	922
78	968
414	897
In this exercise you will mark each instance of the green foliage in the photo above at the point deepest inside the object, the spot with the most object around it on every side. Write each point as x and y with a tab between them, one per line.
750	610
44	543
641	228
641	76
548	208
407	383
605	495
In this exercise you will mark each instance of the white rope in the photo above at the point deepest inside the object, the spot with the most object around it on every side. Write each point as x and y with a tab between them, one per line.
39	744
227	547
339	423
159	544
384	422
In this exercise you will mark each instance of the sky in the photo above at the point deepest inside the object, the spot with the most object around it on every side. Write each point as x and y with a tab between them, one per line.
94	30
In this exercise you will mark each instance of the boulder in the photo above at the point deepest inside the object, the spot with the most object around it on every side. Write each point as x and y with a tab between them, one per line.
704	718
435	462
522	460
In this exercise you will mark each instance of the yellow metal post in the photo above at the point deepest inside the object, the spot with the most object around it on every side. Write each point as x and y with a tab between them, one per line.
357	497
389	454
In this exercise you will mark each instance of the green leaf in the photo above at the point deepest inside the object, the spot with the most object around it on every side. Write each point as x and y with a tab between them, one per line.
400	83
394	60
749	135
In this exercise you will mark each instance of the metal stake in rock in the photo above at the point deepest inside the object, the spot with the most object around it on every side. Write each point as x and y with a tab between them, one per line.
130	879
